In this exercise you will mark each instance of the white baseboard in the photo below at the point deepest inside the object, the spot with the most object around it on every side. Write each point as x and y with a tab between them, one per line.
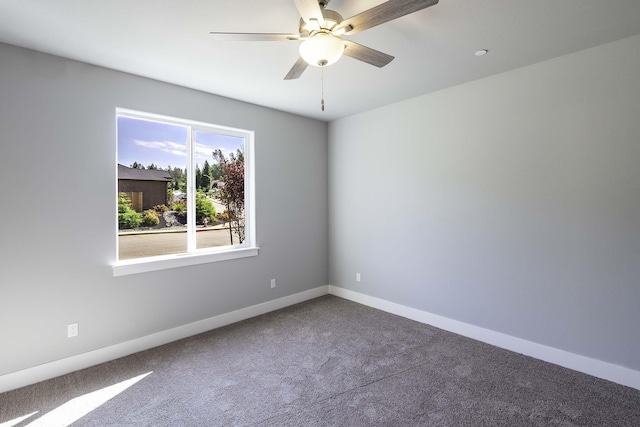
60	367
597	368
594	367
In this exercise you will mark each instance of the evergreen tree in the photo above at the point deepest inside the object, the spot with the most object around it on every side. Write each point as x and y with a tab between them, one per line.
178	178
198	178
206	176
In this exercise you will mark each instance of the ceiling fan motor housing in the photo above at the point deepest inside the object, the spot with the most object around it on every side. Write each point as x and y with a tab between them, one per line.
331	20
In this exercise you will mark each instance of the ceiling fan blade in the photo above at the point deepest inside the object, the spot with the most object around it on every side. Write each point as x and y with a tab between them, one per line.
382	13
366	54
297	69
254	36
310	11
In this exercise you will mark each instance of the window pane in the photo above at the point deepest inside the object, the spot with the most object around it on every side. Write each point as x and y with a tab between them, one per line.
152	188
220	185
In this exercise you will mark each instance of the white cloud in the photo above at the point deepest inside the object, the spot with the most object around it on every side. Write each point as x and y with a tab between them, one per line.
205	152
165	146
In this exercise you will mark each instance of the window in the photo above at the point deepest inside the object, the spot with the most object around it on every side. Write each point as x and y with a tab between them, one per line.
185	193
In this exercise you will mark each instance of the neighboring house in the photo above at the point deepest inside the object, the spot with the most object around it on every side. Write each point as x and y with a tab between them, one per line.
150	183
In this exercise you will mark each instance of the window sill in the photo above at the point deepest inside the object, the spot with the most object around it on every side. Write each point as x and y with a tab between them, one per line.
143	265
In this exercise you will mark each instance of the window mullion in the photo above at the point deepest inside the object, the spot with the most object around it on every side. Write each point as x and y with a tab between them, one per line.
191	193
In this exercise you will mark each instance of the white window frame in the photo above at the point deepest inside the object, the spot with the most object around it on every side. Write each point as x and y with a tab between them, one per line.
195	256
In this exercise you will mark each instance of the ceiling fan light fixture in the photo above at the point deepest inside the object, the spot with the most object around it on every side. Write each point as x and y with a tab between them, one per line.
322	49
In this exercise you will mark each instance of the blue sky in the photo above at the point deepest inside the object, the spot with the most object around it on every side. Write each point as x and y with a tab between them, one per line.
164	144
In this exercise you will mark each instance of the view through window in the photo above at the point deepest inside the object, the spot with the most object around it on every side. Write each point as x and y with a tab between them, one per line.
182	187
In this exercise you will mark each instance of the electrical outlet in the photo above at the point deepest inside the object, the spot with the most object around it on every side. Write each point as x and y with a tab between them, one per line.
357	277
273	283
72	330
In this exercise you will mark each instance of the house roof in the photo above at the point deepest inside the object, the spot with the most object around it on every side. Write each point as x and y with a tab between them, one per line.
125	172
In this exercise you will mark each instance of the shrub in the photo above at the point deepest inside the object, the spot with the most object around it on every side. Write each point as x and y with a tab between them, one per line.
204	208
127	217
123	202
179	206
150	218
160	208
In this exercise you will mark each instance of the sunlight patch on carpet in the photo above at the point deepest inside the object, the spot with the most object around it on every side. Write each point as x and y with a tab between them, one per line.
17	421
77	408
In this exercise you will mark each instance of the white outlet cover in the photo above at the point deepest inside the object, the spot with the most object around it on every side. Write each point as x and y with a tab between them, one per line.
72	330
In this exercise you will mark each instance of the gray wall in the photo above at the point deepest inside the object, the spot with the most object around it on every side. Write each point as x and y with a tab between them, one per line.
58	177
511	203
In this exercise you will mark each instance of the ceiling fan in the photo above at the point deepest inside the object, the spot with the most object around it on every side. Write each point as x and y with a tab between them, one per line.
322	30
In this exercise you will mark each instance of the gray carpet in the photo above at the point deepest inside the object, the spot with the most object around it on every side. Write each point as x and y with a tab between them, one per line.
331	362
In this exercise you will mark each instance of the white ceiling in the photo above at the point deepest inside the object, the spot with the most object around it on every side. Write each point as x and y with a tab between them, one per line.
169	40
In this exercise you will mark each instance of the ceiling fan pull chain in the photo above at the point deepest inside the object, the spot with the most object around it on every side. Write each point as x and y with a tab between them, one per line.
322	88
